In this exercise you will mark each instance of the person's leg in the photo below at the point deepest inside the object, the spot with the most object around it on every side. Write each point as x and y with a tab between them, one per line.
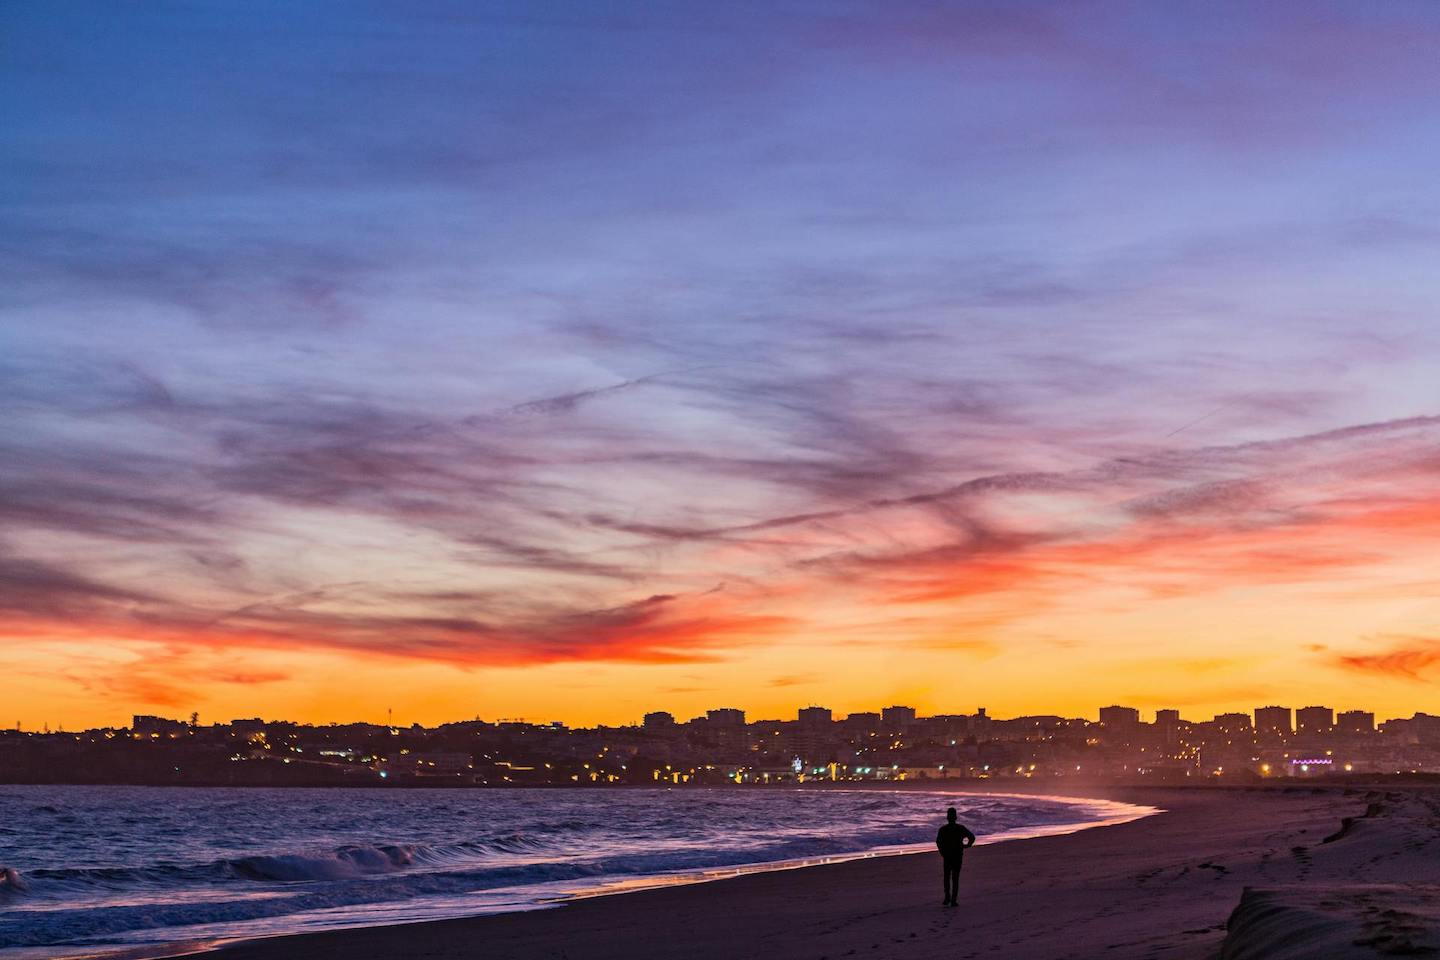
952	882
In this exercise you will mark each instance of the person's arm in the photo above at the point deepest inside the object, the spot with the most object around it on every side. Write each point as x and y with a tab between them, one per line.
938	834
969	838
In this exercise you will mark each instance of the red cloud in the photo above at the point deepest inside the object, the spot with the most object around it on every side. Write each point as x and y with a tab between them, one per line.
1164	559
661	629
1411	658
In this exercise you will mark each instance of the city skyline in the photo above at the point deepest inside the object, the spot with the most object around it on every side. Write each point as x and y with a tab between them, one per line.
568	361
724	746
1350	715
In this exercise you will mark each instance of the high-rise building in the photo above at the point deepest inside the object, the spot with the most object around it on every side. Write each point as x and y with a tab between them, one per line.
815	716
726	717
1314	720
1119	716
1426	727
864	722
979	723
1167	718
659	720
1233	722
1273	720
897	718
1355	721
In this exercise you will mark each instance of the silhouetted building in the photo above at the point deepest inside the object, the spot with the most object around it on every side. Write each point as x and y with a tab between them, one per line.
148	726
1119	716
1355	721
1233	723
726	717
1428	726
1273	720
1167	718
1314	720
897	718
980	722
659	720
814	717
863	722
1422	728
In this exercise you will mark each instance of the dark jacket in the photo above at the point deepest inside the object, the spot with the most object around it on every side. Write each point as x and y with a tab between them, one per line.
952	840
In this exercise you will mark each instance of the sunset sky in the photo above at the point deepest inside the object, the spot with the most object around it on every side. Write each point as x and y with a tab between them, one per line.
570	360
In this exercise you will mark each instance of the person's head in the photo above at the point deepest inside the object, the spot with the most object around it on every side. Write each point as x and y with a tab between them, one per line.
950	814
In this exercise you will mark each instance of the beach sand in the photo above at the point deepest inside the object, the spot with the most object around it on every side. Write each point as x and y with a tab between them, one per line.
1307	884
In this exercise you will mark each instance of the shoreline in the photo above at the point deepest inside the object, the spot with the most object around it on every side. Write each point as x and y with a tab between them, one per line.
1098	813
1203	877
1162	887
713	874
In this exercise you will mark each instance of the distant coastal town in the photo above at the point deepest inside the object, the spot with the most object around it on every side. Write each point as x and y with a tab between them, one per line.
724	748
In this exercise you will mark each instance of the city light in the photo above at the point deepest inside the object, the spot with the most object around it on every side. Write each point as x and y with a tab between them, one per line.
738	751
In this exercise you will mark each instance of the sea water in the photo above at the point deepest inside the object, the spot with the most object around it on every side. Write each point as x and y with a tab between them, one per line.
85	870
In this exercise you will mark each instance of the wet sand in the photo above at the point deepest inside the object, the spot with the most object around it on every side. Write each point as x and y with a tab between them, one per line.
1161	888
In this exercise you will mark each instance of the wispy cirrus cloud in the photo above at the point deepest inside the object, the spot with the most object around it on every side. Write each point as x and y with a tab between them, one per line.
912	328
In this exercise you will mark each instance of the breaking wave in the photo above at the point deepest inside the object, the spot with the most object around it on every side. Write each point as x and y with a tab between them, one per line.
11	881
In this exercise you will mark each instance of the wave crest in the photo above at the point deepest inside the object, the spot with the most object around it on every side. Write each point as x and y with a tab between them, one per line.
343	864
11	881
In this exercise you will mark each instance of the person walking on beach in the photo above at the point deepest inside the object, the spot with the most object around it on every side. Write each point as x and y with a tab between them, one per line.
951	841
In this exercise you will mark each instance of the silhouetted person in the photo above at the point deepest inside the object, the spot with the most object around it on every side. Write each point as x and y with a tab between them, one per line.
951	841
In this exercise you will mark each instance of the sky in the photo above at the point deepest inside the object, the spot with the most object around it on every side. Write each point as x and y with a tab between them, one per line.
566	361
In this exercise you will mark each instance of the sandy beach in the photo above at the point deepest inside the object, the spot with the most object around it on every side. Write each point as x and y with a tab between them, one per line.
1274	872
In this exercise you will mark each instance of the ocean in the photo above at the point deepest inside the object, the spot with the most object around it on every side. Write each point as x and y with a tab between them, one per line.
86	870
